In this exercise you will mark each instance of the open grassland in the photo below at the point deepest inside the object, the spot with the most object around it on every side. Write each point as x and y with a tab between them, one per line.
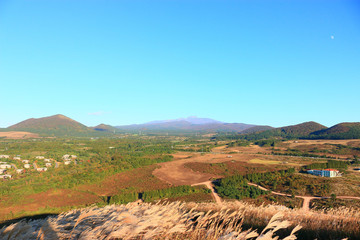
192	221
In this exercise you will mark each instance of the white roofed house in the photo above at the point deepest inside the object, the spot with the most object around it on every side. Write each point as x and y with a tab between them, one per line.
27	165
66	156
73	156
40	157
5	176
18	171
5	166
48	164
25	161
41	169
4	156
67	162
17	158
47	160
2	171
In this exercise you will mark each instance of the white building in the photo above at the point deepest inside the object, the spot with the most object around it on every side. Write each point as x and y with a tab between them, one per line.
27	165
39	157
4	156
48	164
25	161
67	162
2	171
324	173
18	171
17	158
47	160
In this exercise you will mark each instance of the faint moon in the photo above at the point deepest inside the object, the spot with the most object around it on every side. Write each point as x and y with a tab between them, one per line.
332	37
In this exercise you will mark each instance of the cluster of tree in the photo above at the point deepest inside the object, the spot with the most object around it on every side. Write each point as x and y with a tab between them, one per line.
269	176
172	192
329	164
123	198
294	152
239	143
236	187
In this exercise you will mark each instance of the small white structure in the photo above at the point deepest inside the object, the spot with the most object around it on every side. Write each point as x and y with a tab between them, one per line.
44	169
25	161
4	156
229	156
47	160
73	156
19	171
40	157
27	165
67	162
66	156
17	158
2	171
48	164
5	166
5	176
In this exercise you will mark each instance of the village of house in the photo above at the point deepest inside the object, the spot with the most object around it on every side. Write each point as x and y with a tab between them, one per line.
10	165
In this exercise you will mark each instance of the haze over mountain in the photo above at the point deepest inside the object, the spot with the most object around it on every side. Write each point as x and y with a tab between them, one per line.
188	124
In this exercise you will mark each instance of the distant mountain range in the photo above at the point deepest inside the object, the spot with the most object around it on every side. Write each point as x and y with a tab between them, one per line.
187	124
60	126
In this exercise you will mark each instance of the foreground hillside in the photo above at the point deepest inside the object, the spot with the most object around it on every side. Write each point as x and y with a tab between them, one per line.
187	221
143	221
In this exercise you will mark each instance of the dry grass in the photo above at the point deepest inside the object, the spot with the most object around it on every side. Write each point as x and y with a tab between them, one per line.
145	221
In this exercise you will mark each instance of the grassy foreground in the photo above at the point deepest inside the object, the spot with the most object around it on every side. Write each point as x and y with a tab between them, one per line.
144	221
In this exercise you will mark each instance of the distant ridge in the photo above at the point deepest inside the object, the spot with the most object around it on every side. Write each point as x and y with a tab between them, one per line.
56	125
346	130
301	130
256	129
189	124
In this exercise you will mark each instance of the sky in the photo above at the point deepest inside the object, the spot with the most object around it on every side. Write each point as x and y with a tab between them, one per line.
120	62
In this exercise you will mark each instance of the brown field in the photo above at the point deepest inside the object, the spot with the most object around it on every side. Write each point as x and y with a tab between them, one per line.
59	199
139	179
18	135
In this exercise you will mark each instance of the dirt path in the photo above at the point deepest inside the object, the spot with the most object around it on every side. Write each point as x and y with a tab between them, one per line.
210	186
306	199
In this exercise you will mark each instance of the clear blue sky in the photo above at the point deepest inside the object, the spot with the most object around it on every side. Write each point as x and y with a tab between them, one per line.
121	62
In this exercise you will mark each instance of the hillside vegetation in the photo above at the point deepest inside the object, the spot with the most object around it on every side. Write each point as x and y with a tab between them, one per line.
339	131
296	131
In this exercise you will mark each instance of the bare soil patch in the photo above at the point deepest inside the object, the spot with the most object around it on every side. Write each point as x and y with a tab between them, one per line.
18	135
